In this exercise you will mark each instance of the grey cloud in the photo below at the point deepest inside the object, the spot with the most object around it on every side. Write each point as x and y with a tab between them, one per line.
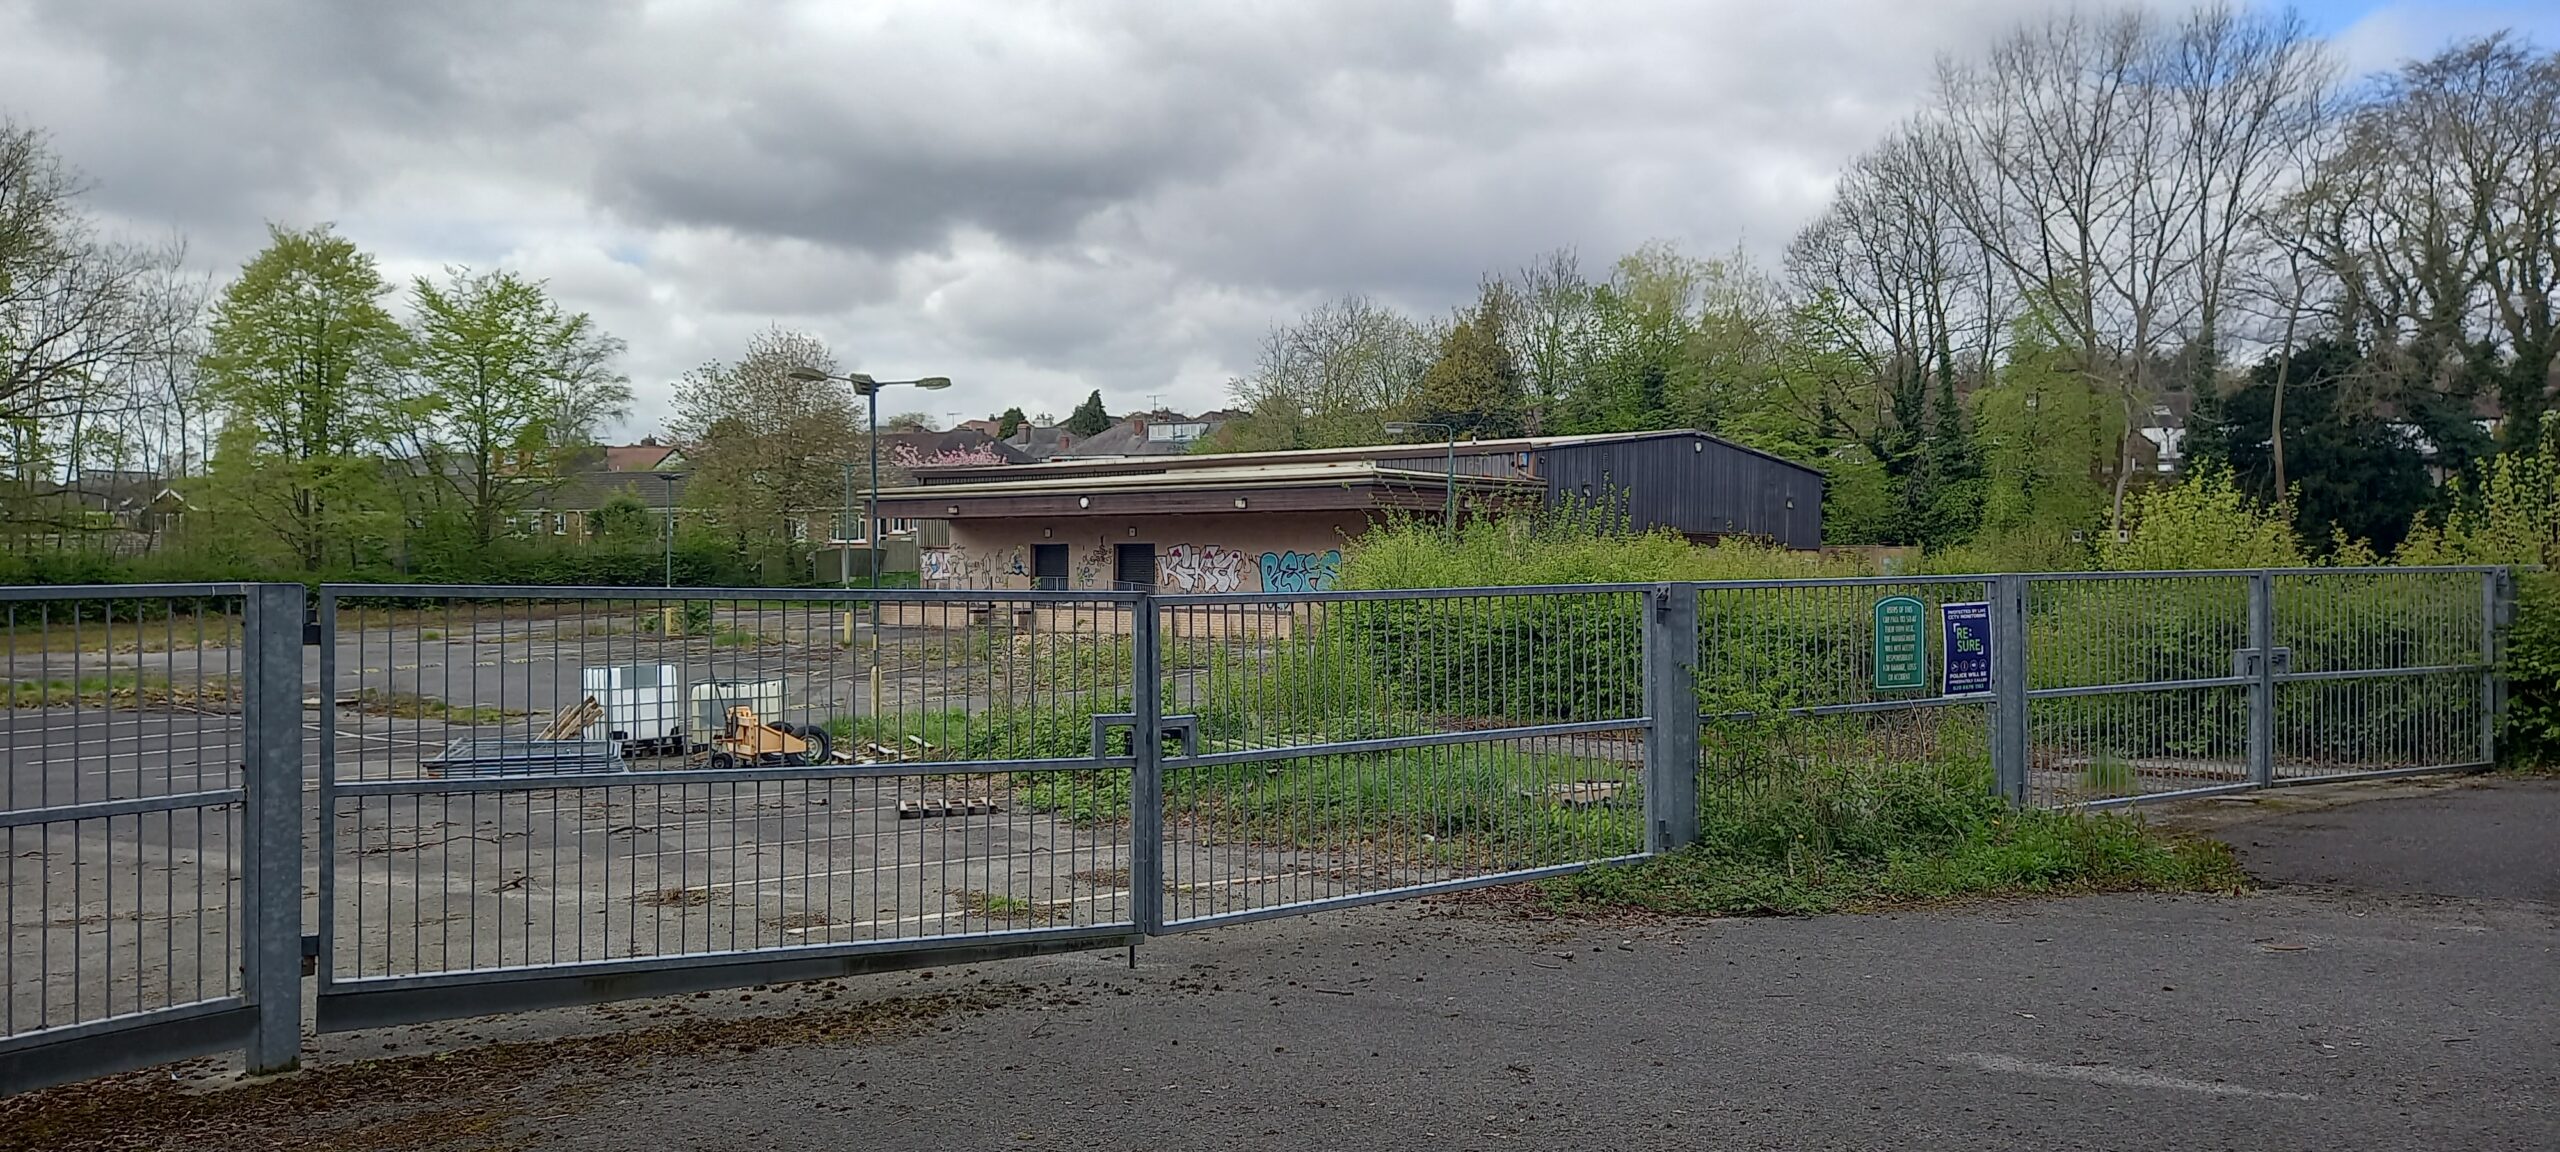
1035	199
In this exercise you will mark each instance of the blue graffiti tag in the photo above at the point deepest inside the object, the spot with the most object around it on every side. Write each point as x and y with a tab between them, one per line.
1301	571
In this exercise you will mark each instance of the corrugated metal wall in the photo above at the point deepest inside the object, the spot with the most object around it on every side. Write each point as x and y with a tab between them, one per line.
1692	484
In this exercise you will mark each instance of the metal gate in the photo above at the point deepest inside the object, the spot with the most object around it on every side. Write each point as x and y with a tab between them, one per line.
519	806
1339	748
543	796
153	821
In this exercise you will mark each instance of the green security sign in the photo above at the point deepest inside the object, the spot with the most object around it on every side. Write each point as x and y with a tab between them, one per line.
1902	655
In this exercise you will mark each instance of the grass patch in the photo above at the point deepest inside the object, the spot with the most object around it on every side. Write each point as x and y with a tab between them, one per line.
994	905
410	706
122	690
1474	807
1839	839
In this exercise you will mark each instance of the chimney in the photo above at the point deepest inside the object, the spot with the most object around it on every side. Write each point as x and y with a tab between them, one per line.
1138	426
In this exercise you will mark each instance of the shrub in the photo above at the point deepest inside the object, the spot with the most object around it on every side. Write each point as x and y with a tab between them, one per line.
2204	522
2531	733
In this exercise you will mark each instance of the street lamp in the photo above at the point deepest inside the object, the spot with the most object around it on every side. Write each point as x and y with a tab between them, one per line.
669	479
869	390
1449	517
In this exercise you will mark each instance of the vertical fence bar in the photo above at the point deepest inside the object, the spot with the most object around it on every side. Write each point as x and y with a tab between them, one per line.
328	803
2497	607
271	869
1146	779
2262	679
2009	686
1671	699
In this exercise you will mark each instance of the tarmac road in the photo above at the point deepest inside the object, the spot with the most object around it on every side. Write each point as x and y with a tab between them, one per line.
2403	1001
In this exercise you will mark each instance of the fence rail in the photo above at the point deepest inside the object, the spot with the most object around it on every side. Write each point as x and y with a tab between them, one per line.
526	796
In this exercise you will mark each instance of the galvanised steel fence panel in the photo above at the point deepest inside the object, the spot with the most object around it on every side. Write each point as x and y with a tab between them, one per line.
534	796
1336	748
798	782
2383	670
1790	695
142	731
2137	685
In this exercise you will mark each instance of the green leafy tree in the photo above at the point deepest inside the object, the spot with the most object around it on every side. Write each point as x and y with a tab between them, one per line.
2349	473
307	369
1011	421
1089	418
499	360
1475	385
2047	431
623	521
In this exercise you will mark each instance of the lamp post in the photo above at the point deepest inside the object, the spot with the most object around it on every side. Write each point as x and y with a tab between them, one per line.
869	389
669	479
844	550
1449	515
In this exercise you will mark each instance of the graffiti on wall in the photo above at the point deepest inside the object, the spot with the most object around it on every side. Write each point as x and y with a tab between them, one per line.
936	564
1203	568
1301	571
1090	566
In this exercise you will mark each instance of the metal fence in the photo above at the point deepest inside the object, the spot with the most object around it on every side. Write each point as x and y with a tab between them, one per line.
536	797
541	796
151	807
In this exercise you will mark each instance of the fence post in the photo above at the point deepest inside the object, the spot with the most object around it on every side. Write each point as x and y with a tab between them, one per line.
2262	679
1671	699
1146	778
271	867
2009	687
2497	609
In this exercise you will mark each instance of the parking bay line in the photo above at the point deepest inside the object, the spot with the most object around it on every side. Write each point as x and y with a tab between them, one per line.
2114	1077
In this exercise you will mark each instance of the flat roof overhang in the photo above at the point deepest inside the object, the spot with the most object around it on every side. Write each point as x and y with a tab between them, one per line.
1194	493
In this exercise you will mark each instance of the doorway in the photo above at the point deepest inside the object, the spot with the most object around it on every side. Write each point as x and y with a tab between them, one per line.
1134	568
1049	567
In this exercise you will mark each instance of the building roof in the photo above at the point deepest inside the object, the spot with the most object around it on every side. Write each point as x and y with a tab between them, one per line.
962	448
1081	466
1236	487
587	491
1040	442
645	456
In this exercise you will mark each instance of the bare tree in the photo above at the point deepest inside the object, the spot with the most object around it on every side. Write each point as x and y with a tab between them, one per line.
765	446
1329	378
2437	215
1546	322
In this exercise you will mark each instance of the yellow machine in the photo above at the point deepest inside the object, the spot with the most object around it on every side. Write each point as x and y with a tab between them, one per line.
747	741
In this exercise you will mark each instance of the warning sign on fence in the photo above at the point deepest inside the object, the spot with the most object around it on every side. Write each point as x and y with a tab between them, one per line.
1968	648
1902	656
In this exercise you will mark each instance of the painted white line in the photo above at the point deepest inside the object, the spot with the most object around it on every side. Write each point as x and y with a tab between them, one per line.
2114	1077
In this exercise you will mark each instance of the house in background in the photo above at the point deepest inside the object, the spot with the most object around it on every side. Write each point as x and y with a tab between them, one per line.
1159	433
646	456
1278	521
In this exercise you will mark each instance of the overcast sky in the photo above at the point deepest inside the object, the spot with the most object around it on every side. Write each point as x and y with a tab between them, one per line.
1034	199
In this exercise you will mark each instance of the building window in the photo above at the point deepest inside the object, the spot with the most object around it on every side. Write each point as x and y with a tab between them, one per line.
559	523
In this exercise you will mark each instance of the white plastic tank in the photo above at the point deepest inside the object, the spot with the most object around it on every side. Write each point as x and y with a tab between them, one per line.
643	705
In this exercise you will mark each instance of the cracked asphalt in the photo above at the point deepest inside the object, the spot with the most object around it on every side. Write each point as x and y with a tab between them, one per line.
2395	985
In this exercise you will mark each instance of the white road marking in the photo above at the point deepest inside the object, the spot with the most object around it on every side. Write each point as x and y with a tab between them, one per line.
2114	1077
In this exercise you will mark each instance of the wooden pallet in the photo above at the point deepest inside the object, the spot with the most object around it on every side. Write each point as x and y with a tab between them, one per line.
947	806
